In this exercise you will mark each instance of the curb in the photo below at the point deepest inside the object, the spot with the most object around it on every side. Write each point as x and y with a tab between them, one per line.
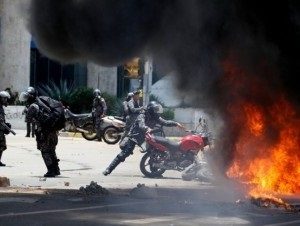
70	134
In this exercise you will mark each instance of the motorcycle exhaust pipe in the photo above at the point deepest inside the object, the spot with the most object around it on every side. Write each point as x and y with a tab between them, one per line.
82	130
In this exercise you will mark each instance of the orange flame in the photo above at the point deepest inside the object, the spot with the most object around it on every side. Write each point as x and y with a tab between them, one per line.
267	151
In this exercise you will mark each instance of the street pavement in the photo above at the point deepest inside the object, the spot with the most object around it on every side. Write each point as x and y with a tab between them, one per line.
34	200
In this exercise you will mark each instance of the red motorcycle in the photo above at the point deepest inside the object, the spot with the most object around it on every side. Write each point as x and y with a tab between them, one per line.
163	154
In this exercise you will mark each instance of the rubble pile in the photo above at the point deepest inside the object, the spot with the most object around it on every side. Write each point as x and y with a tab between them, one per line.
4	182
142	191
93	189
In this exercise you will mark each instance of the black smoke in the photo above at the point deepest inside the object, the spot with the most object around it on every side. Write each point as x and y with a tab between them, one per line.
191	37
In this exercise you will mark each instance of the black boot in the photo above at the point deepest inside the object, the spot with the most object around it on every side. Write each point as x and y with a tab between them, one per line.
50	173
112	166
99	135
50	164
1	164
28	125
56	167
32	129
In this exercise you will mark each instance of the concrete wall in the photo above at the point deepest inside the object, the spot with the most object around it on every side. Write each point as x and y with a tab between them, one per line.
165	90
104	78
14	47
14	116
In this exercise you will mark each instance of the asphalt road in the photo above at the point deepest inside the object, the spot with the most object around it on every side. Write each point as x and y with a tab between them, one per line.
31	200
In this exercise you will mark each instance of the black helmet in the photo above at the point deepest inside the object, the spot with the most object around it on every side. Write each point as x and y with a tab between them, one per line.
129	96
97	92
32	111
154	108
32	91
4	96
29	95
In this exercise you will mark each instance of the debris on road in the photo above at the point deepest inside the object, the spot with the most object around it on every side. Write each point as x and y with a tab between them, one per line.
67	183
273	203
142	191
239	202
4	182
93	189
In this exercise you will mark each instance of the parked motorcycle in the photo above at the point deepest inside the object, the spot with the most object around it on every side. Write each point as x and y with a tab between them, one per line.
82	123
163	154
112	127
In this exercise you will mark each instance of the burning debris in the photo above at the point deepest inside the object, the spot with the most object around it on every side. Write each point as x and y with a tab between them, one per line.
266	155
93	189
273	202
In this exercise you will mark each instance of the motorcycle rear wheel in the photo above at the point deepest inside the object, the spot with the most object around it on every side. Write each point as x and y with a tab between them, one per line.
152	172
91	135
111	135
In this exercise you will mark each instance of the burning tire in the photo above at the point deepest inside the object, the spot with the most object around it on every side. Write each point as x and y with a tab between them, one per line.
147	160
91	135
111	135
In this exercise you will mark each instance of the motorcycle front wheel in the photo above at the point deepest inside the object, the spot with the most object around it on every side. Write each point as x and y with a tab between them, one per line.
111	135
147	161
91	135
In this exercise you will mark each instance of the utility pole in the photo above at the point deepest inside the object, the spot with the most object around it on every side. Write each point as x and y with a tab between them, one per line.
147	80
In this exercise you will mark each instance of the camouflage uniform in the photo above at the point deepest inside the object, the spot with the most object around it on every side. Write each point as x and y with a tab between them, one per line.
136	135
134	109
46	142
99	109
2	134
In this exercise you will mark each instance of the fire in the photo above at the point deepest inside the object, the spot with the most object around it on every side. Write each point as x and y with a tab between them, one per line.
267	148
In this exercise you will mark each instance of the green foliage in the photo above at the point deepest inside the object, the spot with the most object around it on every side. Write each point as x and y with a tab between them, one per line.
81	100
114	104
168	113
62	92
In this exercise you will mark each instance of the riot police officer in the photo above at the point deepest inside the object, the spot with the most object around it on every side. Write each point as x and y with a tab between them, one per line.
145	121
99	110
46	137
4	96
134	109
125	105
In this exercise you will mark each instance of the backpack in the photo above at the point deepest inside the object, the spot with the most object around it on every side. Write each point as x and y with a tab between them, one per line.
53	113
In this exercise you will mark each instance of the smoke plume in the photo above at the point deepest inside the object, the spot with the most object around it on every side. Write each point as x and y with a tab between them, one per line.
196	38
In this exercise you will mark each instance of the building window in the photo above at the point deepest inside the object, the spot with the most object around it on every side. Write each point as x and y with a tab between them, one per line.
43	71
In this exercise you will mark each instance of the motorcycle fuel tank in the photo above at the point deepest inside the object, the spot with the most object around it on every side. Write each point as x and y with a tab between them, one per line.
191	142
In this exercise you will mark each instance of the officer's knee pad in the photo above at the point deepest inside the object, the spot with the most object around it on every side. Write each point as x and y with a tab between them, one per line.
121	157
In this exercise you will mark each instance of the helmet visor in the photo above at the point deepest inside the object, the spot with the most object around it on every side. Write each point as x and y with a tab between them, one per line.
23	97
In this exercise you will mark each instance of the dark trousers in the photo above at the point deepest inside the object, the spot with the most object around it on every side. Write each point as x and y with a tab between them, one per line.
30	128
127	146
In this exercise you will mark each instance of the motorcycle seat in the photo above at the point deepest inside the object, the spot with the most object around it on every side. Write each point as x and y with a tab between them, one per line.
79	115
119	118
171	145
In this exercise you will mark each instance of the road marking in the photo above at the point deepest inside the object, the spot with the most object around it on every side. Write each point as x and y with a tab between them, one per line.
17	199
69	210
152	220
284	223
